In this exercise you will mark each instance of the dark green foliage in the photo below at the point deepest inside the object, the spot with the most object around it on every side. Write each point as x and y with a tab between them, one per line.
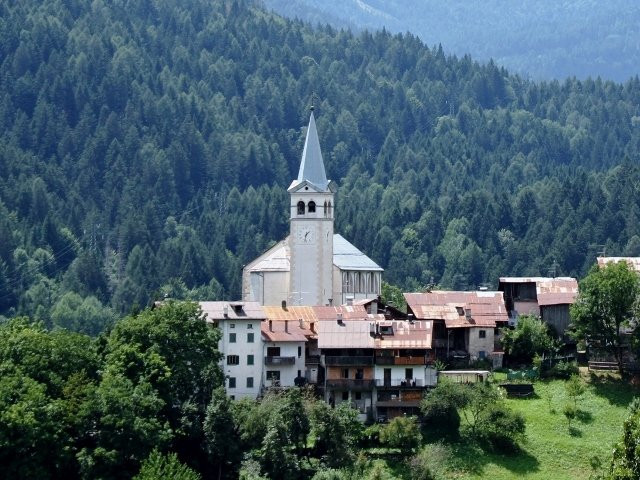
500	428
402	433
562	370
440	407
165	467
336	433
609	300
530	338
625	464
146	145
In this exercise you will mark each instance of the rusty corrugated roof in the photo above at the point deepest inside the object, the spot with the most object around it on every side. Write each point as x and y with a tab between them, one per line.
315	313
633	262
557	291
406	334
349	334
358	334
486	308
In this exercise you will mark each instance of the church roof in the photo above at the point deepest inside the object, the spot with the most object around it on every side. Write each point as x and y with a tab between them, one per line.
276	259
347	257
312	165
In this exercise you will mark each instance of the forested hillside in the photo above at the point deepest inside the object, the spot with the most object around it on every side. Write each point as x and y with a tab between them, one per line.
146	145
543	39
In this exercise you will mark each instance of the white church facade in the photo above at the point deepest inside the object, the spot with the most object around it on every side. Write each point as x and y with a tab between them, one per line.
313	265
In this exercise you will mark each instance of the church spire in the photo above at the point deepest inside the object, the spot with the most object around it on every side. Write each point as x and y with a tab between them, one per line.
312	165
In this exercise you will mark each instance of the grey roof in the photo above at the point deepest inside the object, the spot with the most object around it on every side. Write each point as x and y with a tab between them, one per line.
216	311
348	257
312	165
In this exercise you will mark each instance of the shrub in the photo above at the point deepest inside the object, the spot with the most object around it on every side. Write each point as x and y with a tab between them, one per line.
440	406
429	463
165	467
562	370
574	387
570	413
500	428
625	464
403	433
371	436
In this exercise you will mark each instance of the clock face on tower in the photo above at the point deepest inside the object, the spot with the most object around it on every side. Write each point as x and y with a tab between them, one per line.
305	234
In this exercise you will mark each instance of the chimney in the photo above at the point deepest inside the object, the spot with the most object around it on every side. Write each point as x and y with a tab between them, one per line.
339	319
411	318
286	326
271	325
284	304
467	312
312	326
301	324
225	311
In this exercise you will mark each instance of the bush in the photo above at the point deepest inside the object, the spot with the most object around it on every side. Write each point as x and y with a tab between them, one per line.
501	428
403	433
165	467
371	436
562	370
574	387
429	463
570	412
625	464
440	406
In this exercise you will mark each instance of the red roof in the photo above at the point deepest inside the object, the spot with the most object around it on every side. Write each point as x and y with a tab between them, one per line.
284	331
485	308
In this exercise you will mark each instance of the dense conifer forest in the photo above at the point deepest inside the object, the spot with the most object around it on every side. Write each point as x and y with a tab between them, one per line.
541	39
146	147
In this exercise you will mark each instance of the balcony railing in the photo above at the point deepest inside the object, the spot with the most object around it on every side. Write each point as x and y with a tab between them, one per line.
269	360
348	360
351	384
312	359
399	383
411	360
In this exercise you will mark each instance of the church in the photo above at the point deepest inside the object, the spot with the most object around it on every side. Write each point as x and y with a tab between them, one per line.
313	265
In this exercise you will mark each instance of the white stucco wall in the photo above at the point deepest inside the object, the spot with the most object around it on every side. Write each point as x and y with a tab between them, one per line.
242	348
420	374
288	373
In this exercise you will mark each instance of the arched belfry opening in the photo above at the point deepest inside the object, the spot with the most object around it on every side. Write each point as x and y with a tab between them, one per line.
300	207
325	208
312	206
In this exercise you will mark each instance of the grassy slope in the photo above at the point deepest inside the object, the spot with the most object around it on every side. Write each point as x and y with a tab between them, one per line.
551	449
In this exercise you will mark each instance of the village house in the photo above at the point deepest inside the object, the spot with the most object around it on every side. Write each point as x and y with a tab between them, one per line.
548	298
466	325
633	262
284	353
240	344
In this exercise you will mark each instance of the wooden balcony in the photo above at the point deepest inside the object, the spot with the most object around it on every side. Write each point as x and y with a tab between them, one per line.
351	384
411	360
275	361
347	360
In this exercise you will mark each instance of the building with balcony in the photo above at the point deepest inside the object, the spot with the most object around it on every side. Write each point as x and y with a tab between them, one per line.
465	324
284	353
240	344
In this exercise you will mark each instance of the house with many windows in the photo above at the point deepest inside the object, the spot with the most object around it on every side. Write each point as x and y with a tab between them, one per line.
240	343
284	353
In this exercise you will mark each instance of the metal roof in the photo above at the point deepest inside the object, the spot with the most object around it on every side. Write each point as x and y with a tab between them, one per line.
633	262
276	259
486	308
312	165
531	279
348	257
215	311
349	334
283	332
557	291
417	334
315	313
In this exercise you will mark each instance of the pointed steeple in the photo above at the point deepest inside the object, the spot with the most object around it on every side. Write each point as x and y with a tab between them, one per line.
312	165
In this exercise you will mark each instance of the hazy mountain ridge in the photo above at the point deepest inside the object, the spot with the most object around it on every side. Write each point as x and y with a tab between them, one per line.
541	39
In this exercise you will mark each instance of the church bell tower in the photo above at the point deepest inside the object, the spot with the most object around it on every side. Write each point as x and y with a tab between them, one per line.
311	232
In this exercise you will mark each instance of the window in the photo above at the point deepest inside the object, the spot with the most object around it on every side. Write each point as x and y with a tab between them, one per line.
300	207
408	373
482	354
482	334
345	373
232	338
299	373
312	207
325	209
345	396
232	382
249	359
273	375
273	351
232	397
249	326
233	360
358	395
232	325
359	374
249	382
249	337
299	352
